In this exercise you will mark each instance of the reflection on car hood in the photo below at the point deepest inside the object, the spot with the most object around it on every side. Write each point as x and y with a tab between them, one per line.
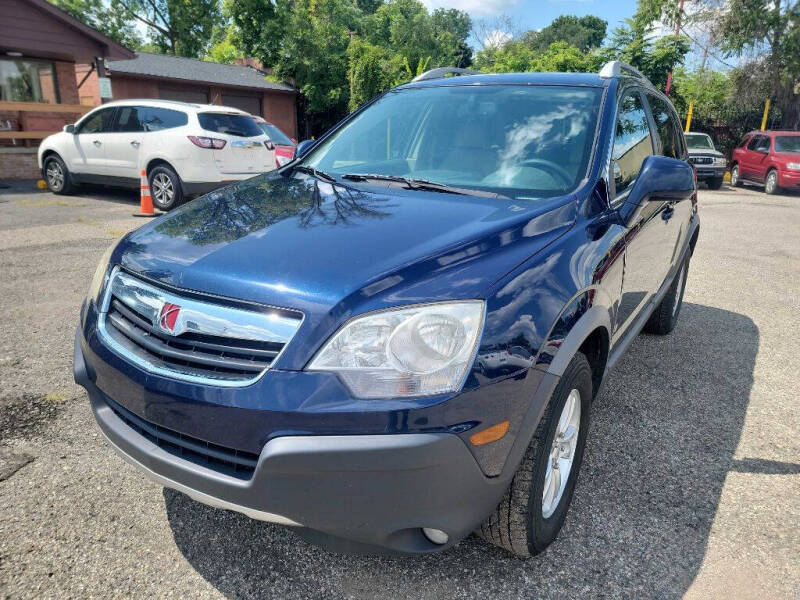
307	244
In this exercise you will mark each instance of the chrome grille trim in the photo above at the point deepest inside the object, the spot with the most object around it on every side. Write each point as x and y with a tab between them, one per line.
210	343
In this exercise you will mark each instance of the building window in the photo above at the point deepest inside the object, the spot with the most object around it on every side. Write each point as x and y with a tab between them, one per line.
26	80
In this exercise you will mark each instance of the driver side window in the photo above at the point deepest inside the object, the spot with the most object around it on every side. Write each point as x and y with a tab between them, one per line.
99	122
632	142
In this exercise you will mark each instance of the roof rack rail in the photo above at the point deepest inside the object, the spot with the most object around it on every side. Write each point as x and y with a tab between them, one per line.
615	68
440	72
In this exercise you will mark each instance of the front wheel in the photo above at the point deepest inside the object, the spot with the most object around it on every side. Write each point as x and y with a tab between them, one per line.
165	188
736	180
771	184
57	176
534	507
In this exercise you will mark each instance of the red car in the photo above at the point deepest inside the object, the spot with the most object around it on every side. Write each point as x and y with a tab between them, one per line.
768	158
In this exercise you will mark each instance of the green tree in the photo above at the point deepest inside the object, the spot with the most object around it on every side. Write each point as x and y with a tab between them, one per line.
260	26
771	30
109	18
179	27
517	56
585	33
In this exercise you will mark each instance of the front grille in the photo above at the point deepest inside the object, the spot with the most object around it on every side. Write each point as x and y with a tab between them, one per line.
190	352
175	334
701	160
234	463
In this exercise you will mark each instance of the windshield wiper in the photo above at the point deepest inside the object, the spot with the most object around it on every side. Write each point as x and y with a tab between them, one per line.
422	184
315	172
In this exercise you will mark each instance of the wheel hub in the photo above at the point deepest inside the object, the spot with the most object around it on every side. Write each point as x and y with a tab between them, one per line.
562	453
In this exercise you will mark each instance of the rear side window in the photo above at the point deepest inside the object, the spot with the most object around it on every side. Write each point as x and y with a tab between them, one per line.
275	135
128	119
666	127
632	142
231	124
157	119
99	122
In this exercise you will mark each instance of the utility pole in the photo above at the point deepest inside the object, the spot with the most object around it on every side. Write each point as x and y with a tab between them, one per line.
677	35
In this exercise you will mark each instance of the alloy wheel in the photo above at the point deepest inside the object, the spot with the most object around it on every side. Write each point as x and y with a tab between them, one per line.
772	182
55	175
162	189
734	175
562	454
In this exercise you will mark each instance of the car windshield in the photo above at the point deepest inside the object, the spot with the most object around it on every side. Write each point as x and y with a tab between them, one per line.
275	135
787	143
519	141
232	124
698	141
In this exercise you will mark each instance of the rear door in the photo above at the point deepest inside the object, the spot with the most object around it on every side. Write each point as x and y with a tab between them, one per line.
88	155
244	151
124	143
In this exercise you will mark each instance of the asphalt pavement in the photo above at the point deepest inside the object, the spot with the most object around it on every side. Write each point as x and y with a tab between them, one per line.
690	485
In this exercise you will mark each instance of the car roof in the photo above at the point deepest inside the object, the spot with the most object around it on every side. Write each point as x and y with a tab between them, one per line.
770	132
573	79
173	104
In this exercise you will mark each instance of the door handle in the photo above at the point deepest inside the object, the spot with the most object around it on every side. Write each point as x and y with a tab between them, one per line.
135	143
97	143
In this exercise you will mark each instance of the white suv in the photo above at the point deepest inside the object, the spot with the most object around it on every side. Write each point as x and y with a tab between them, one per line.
186	149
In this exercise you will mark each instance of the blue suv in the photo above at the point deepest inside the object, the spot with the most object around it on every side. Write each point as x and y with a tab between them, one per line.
396	339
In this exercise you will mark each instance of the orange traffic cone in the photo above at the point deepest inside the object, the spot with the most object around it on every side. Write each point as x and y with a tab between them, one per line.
145	201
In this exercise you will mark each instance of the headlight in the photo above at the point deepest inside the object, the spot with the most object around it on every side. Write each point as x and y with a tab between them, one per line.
720	160
793	166
416	351
101	274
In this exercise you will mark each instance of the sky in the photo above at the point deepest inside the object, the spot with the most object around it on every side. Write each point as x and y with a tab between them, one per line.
536	14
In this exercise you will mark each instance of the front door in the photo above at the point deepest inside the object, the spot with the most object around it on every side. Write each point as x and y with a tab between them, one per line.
644	260
123	143
753	157
88	155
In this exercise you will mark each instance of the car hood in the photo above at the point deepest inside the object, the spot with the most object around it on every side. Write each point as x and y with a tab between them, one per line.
704	152
301	243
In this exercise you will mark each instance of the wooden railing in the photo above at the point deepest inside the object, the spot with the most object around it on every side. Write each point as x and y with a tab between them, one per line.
37	107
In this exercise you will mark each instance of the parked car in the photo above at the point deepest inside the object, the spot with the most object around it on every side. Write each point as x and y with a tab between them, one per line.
768	158
318	346
709	162
186	149
280	144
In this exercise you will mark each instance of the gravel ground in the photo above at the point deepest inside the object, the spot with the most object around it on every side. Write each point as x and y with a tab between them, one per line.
690	486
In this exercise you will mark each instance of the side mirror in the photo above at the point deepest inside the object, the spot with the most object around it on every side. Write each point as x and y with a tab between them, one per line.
69	128
661	179
303	147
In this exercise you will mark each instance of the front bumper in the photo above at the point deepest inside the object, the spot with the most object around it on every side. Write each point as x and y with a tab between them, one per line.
708	172
354	492
789	178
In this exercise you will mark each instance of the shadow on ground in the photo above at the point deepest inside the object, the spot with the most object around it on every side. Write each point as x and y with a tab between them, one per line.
661	443
10	187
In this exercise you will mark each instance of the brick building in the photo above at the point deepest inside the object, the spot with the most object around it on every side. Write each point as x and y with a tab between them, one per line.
242	85
39	47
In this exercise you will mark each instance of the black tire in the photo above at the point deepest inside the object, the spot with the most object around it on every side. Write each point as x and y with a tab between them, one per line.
665	315
518	523
736	180
166	188
57	176
715	184
771	186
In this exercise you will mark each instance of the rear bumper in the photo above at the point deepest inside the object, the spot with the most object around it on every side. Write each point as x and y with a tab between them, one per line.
360	492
